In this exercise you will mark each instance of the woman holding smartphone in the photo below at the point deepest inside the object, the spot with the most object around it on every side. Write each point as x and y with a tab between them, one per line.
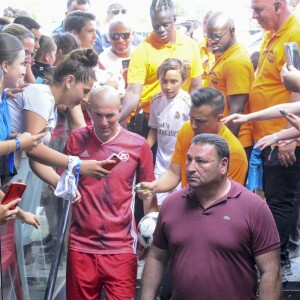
12	62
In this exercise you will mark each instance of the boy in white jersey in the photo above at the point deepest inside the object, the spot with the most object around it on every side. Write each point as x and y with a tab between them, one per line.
169	109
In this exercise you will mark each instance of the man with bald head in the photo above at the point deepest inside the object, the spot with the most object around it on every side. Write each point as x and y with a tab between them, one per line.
232	73
103	239
281	170
115	59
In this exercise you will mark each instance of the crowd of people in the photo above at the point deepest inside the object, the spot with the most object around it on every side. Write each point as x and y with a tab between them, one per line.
199	125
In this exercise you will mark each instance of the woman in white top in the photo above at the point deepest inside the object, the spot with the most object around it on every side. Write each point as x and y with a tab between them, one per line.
12	66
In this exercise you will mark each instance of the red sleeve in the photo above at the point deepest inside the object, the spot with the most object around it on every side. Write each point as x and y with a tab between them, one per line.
146	168
265	235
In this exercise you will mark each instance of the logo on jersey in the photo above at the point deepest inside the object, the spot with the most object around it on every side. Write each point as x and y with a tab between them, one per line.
177	115
84	154
124	156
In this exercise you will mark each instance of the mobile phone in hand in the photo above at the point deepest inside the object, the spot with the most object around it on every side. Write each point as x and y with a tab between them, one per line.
47	128
15	190
125	63
110	166
292	54
283	112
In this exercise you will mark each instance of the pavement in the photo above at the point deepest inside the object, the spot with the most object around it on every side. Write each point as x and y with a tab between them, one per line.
291	289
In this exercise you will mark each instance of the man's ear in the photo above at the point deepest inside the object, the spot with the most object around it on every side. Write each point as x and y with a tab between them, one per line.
225	165
220	117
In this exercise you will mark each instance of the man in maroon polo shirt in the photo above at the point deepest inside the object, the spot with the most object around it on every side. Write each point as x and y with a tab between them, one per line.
214	231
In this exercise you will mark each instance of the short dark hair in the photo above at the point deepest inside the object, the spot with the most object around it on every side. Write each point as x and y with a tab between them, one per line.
27	22
216	140
65	41
209	96
79	2
172	64
4	21
47	44
77	19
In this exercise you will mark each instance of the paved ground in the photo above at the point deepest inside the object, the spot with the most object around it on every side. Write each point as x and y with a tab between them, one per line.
291	289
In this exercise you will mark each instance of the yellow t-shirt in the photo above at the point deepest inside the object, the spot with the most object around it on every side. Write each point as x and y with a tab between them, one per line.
267	89
233	74
149	55
238	160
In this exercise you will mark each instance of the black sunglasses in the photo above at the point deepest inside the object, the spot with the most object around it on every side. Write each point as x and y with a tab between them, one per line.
116	36
215	36
117	11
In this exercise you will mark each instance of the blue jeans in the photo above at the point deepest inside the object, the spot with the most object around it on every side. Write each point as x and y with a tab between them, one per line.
280	185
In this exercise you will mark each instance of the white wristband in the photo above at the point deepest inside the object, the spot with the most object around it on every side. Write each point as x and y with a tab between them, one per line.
275	137
72	162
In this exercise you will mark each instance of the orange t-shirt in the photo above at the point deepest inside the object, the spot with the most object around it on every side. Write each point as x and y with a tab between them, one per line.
233	74
267	89
238	165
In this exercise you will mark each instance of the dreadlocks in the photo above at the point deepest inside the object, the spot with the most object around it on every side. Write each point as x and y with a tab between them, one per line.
161	5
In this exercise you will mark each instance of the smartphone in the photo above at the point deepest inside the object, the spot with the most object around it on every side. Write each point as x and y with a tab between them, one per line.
125	63
139	188
292	54
283	112
15	190
47	128
114	157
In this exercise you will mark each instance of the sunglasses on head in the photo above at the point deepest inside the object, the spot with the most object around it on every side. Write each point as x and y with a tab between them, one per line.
117	11
116	36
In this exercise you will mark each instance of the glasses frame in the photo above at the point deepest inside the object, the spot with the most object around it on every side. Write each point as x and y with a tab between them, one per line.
215	36
117	11
119	35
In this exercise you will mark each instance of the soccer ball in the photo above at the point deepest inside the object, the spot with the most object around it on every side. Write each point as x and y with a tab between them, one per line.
146	229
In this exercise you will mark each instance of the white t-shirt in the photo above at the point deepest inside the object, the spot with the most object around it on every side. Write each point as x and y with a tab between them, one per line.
36	98
167	116
113	64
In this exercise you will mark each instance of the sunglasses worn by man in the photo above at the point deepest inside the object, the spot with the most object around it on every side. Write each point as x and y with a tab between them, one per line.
116	36
117	11
215	36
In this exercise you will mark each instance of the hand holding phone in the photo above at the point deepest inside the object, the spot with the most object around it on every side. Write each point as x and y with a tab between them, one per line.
110	166
283	112
125	63
292	54
15	190
46	128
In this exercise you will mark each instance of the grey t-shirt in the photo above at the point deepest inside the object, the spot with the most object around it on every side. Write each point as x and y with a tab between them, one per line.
36	98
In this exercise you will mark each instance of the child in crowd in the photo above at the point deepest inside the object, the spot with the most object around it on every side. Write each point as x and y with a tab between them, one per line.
44	58
169	109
